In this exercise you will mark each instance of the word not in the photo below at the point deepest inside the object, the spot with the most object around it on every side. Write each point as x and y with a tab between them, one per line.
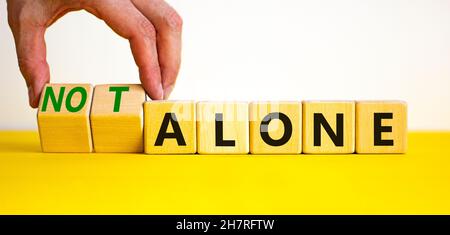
117	118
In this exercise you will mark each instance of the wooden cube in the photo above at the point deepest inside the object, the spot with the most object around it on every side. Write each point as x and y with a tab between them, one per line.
170	127
381	127
222	128
117	118
275	127
63	118
328	127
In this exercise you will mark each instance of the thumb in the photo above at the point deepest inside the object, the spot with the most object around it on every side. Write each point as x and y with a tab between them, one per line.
31	56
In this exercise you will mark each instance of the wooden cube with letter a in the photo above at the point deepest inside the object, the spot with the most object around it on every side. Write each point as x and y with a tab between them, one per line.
170	127
328	127
275	127
222	128
381	127
117	118
63	118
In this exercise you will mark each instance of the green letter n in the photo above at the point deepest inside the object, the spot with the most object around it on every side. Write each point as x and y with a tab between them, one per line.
49	93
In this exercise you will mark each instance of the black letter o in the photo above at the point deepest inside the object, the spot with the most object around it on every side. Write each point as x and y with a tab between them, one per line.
264	129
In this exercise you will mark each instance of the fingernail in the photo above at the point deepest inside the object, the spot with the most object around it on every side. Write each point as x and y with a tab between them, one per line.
161	90
168	91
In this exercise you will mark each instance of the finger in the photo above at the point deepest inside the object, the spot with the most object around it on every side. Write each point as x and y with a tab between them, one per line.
128	22
31	56
168	25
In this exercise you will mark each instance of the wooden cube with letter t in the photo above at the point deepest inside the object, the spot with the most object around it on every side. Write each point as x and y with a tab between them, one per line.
170	127
117	118
222	128
381	127
63	118
328	127
275	127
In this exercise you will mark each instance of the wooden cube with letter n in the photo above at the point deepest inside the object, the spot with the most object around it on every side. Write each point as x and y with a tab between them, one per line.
328	127
381	127
275	127
170	127
63	118
117	118
222	128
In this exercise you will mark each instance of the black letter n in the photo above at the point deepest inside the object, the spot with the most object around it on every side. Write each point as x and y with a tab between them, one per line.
337	138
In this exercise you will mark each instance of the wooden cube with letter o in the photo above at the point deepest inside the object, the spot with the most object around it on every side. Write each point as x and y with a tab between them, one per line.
275	127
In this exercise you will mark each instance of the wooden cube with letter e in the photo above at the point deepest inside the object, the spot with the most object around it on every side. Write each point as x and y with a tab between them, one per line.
381	127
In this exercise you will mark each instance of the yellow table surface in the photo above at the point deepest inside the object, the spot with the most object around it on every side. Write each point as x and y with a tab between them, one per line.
32	182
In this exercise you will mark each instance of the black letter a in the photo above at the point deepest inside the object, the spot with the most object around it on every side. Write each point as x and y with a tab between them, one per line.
177	134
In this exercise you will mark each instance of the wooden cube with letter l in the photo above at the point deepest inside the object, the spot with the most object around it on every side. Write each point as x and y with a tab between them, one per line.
170	127
381	127
328	127
222	128
63	118
117	118
275	127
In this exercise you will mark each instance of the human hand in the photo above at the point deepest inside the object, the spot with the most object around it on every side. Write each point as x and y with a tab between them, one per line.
152	27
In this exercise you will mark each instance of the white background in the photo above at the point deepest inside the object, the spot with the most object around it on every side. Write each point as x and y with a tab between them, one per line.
265	50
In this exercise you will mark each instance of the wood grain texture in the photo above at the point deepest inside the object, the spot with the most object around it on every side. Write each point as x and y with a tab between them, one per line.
183	112
117	122
329	110
63	128
365	126
275	128
235	127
